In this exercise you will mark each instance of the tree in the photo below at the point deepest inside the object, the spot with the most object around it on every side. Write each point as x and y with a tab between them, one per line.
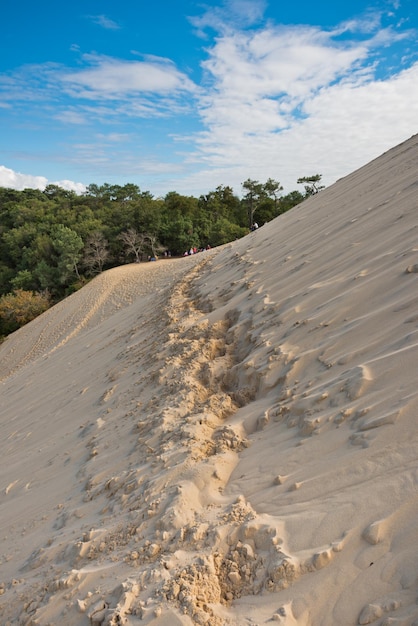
220	214
96	253
19	308
310	182
224	231
273	188
126	193
146	213
290	200
68	245
179	219
177	234
252	198
220	203
24	279
269	205
154	245
47	276
16	241
54	192
134	243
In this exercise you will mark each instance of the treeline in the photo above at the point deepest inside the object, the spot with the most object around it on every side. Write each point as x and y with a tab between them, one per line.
53	241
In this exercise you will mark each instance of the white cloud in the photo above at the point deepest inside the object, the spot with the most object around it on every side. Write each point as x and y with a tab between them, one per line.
15	180
70	185
285	102
271	72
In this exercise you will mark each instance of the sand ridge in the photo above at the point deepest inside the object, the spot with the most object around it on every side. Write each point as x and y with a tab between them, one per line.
110	291
229	438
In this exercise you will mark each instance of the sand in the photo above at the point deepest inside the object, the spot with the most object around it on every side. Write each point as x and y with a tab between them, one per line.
228	438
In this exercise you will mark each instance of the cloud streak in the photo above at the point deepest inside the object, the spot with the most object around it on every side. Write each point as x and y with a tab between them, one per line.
104	21
107	77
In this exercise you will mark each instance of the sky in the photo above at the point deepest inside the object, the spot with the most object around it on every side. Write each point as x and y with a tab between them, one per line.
190	95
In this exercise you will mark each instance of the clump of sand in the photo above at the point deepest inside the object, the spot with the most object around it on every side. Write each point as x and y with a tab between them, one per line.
227	438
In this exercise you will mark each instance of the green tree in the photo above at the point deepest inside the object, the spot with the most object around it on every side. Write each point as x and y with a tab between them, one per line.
220	203
290	200
58	194
16	241
269	205
311	184
252	198
179	219
24	279
48	276
177	234
219	210
146	213
272	189
68	246
85	221
224	231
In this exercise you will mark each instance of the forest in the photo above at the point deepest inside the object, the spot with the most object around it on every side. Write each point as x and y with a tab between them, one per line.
53	241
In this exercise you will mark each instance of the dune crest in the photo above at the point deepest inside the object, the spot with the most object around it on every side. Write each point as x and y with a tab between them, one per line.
228	438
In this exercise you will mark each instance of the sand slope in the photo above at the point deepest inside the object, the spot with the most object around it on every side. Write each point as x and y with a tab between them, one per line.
228	438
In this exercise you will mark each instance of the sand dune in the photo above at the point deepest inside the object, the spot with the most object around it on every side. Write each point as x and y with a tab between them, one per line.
228	438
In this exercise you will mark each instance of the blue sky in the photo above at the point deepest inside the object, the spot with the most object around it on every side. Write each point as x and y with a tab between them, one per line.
186	95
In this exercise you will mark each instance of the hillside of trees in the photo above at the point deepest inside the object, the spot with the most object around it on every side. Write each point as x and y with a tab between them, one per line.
53	241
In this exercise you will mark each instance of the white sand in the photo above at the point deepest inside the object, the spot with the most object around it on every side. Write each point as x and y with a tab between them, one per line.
228	438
